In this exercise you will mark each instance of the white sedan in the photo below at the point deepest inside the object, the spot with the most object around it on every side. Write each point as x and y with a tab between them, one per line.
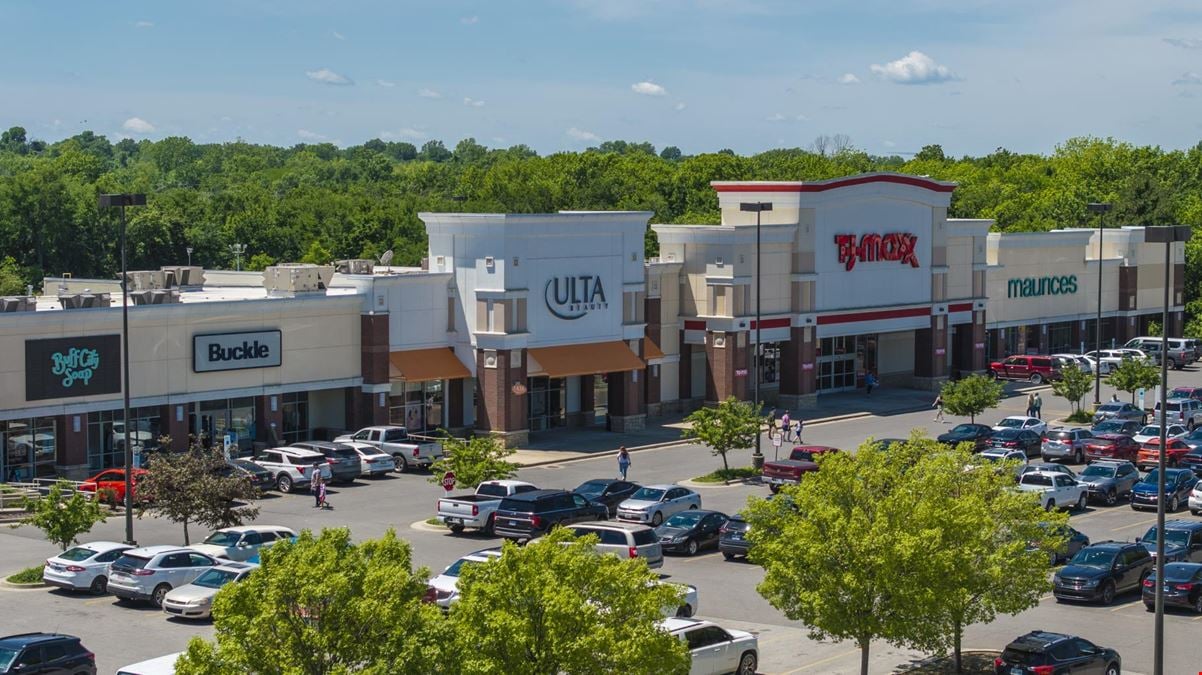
1021	422
84	567
1153	431
374	462
444	588
654	503
715	649
1003	454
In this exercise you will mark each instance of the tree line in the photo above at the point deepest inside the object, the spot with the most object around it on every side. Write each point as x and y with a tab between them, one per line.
317	202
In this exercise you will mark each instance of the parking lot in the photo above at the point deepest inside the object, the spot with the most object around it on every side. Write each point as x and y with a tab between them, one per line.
123	634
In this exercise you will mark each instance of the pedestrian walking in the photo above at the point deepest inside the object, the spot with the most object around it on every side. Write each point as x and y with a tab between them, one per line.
938	406
623	461
869	382
1038	406
1030	405
1114	398
786	426
801	423
315	487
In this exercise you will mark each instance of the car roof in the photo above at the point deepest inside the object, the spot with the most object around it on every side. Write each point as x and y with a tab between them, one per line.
160	549
535	495
1110	462
296	452
662	486
1111	437
1039	638
483	554
233	566
25	639
1111	545
676	625
506	482
253	528
1036	471
1182	524
612	525
102	546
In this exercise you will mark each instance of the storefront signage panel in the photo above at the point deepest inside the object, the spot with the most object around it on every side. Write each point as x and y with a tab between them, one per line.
892	246
1033	287
575	299
571	297
236	351
70	367
872	252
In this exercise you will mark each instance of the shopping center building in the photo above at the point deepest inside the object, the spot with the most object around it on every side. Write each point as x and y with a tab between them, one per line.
520	324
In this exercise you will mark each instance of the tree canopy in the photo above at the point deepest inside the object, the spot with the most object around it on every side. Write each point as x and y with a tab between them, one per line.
971	395
193	487
732	425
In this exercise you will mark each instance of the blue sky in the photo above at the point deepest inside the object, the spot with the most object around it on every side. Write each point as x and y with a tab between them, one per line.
750	75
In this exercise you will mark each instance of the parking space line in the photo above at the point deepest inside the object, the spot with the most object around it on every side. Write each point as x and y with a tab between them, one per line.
1132	603
97	601
820	662
1142	523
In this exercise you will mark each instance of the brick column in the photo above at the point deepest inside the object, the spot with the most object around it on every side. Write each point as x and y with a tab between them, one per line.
1076	335
452	398
364	409
651	390
798	384
627	411
177	430
500	411
72	446
265	417
724	357
979	363
930	357
684	374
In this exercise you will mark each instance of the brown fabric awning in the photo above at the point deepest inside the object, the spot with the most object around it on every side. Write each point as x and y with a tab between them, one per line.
651	350
588	359
420	365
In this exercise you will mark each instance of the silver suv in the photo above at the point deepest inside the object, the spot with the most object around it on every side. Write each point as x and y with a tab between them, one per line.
1181	353
1065	444
151	572
625	540
293	467
1184	411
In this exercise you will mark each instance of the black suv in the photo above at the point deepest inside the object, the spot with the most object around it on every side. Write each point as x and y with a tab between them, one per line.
1043	652
49	653
1182	541
1099	572
532	514
732	538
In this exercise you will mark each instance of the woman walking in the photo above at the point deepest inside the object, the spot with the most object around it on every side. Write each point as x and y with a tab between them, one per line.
938	406
1030	405
623	461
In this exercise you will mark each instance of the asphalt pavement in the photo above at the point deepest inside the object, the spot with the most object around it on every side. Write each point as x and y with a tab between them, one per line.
120	635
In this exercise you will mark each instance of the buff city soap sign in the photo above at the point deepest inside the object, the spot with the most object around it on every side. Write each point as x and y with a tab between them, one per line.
70	367
571	297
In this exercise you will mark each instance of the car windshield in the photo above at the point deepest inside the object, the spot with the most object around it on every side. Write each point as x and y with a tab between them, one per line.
684	519
648	495
963	429
346	453
223	538
1093	558
1005	434
1110	407
249	466
76	554
1151	478
214	578
7	656
1150	430
1023	657
1174	537
1181	393
1098	471
592	487
1102	441
1108	427
457	567
490	490
1037	479
1195	435
1011	422
1171	405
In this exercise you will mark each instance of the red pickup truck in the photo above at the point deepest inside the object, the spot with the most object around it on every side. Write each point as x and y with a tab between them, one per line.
789	471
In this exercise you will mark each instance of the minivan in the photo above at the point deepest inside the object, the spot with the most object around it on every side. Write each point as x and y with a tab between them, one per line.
625	540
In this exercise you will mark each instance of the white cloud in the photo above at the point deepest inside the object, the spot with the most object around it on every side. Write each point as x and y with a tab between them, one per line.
775	117
802	118
307	135
468	101
143	24
914	68
428	93
469	20
327	76
890	144
1185	43
648	89
405	133
848	78
386	84
339	36
1189	78
137	125
582	135
680	106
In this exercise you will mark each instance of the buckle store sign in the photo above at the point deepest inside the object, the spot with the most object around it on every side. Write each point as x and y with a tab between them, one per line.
236	351
893	247
69	367
571	297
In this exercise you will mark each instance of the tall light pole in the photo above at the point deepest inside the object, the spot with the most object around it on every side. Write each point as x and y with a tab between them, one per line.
1099	208
238	250
189	250
757	459
1168	236
121	201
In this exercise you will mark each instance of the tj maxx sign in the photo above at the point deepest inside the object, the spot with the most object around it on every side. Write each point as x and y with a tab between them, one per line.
894	247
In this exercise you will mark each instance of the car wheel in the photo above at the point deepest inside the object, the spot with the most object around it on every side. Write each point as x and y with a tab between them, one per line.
657	519
1050	505
100	585
1112	497
456	529
1189	426
1174	504
1196	512
159	593
1198	604
993	374
1150	608
1081	502
488	525
1036	378
747	664
1108	593
773	488
693	507
1079	457
685	611
691	547
1112	669
402	464
728	555
283	483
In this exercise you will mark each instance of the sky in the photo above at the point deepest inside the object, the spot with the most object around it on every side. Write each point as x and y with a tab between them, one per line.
703	75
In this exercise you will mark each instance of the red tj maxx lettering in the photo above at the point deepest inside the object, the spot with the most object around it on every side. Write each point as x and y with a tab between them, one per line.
897	246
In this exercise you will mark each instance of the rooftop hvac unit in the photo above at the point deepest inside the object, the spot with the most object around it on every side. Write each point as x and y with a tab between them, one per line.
69	300
290	278
184	275
139	297
18	304
355	266
164	296
146	280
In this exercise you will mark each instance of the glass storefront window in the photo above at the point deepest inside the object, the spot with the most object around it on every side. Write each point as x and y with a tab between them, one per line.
30	449
106	436
546	397
1060	338
214	419
296	417
770	363
417	406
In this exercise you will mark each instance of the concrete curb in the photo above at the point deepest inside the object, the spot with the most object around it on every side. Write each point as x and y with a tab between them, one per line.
713	486
5	583
423	526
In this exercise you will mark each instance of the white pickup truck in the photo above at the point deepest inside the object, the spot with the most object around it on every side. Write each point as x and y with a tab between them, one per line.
408	450
477	510
1056	490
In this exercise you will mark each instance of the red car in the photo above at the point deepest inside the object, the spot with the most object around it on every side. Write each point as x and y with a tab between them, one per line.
789	471
112	482
1149	454
1111	446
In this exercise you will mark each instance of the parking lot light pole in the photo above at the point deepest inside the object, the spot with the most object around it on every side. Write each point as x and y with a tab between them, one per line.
757	459
121	201
1099	208
1168	236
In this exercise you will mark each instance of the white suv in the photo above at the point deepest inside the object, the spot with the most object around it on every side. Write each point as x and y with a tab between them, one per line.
715	649
1184	411
293	467
151	572
242	542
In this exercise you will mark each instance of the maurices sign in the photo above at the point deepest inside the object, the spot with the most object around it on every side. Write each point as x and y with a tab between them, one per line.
571	297
70	367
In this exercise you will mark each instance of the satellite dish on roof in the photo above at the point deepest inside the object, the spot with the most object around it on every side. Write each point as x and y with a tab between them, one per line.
386	259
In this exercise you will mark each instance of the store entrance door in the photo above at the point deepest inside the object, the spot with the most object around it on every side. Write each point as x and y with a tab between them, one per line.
843	361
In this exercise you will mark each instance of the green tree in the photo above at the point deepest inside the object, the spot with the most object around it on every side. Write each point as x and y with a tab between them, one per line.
317	254
324	605
189	487
1074	383
557	606
732	424
971	395
670	153
1155	329
975	533
61	519
473	460
12	282
260	261
1131	375
930	153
